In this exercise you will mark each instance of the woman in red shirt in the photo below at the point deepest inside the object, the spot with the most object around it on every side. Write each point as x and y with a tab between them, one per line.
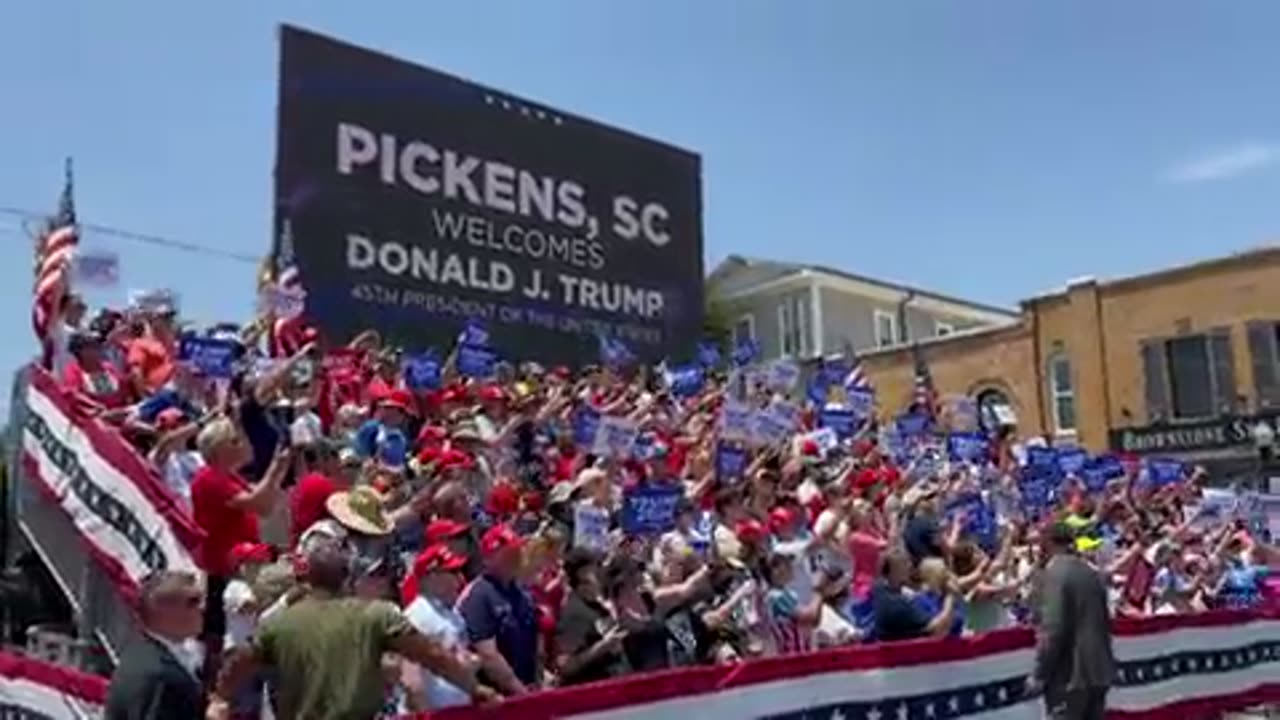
89	376
227	508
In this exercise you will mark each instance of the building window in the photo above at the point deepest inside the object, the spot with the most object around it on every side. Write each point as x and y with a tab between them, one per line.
1264	352
886	328
942	329
1062	396
1191	376
794	325
744	329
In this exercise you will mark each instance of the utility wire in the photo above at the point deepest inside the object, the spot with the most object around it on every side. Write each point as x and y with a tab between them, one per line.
142	238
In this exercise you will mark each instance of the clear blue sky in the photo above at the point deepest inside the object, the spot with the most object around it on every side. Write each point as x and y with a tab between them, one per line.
986	149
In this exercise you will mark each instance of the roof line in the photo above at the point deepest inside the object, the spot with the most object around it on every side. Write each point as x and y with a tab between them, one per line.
888	284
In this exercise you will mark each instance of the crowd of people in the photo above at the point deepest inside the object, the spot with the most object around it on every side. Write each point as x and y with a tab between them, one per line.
388	535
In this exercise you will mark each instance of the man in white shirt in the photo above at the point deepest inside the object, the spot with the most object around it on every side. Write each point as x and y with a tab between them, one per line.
438	574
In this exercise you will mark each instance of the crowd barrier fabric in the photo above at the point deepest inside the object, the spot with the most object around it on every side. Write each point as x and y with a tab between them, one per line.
34	689
130	522
1185	667
1178	666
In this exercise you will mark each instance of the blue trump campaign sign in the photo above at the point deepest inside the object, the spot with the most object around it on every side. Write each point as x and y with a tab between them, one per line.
708	353
979	517
650	509
861	401
1165	471
785	413
746	351
1071	460
473	333
1037	485
214	358
685	380
912	424
644	447
1099	471
586	423
843	420
477	362
768	427
731	461
1042	457
422	371
967	446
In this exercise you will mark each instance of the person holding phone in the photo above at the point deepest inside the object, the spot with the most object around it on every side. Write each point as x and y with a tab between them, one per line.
228	509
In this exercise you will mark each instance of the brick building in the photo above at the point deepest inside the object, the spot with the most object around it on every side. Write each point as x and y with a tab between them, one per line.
1182	362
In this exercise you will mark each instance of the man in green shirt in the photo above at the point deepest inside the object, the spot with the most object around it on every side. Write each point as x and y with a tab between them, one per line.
326	651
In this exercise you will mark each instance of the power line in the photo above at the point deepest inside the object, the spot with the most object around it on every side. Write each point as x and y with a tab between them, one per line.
143	238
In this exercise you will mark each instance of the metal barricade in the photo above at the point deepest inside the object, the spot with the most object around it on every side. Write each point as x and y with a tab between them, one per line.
103	618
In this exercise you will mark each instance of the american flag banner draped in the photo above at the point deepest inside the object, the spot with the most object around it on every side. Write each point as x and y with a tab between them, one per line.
53	253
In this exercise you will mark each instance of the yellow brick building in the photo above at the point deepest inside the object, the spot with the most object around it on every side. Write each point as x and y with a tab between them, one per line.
1182	362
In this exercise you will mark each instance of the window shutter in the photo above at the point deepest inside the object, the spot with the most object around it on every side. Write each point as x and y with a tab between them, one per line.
1262	351
1223	371
1157	384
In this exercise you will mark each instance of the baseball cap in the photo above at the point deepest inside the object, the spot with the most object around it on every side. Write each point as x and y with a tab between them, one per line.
437	558
442	529
750	531
499	538
246	552
781	518
170	419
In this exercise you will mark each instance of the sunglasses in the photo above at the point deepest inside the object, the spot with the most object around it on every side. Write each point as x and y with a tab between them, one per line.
188	601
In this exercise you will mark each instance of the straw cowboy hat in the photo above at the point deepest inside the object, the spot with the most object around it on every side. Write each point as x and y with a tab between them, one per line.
466	430
360	510
564	491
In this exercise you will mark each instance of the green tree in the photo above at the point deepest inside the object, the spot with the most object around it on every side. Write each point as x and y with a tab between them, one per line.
715	322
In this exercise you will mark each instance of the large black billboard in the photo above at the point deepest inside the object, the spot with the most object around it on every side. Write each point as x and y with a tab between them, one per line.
417	201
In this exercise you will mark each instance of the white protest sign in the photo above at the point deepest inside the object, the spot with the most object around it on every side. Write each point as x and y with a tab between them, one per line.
160	300
1214	508
95	268
783	375
1271	510
615	436
735	421
785	413
286	303
590	527
768	428
825	438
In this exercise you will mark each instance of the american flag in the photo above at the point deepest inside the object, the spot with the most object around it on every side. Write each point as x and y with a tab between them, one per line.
614	353
856	379
52	260
287	275
288	335
924	398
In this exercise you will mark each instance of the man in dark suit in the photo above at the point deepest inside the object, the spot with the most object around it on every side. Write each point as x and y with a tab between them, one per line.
156	679
1074	663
